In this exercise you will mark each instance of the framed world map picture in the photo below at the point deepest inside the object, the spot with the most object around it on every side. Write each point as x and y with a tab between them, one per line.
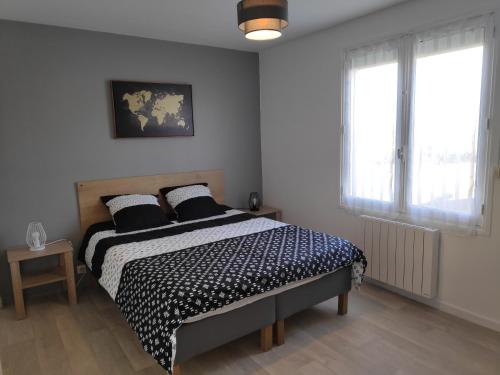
152	109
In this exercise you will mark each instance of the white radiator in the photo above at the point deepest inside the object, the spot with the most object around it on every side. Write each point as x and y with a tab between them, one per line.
402	255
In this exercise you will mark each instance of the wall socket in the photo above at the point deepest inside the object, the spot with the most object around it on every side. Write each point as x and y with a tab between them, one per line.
81	269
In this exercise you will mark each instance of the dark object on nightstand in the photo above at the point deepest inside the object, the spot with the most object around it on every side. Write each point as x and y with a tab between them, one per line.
254	201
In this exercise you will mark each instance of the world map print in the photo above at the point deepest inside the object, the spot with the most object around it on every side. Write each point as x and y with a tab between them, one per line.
143	109
145	105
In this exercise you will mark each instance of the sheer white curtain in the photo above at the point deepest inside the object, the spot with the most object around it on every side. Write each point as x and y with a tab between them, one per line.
415	139
370	128
446	158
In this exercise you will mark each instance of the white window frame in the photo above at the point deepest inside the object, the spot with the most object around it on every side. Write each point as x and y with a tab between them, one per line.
487	155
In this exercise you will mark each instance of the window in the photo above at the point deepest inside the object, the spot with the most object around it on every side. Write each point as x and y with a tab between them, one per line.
372	110
415	126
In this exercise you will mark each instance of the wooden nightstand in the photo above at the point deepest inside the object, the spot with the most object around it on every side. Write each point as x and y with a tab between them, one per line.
63	272
269	212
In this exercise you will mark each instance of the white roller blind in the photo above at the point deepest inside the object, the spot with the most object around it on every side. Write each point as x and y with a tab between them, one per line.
380	54
457	36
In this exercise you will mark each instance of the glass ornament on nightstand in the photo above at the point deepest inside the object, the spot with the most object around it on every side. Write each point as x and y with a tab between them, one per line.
254	201
35	236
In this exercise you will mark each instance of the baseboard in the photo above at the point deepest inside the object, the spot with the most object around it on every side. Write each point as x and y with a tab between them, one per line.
444	306
467	315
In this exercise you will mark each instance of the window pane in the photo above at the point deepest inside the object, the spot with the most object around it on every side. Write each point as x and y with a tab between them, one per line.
444	147
373	118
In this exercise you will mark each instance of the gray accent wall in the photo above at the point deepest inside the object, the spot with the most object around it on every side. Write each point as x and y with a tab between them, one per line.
56	124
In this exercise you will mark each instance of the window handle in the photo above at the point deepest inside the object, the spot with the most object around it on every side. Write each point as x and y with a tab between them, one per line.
401	154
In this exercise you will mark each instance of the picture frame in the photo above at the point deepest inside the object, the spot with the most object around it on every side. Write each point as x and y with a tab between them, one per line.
149	109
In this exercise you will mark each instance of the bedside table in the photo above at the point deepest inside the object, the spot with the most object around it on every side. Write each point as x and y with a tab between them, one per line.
269	212
63	272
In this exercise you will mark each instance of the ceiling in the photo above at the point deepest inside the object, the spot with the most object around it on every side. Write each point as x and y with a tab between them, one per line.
205	22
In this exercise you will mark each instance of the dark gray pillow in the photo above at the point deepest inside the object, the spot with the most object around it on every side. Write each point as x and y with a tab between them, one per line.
192	202
133	212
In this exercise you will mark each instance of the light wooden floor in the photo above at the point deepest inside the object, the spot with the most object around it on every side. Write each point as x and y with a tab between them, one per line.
382	334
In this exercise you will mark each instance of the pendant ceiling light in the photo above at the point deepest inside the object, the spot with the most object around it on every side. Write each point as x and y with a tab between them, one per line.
262	19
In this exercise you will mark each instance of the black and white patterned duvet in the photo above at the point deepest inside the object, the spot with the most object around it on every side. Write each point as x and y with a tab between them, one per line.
202	267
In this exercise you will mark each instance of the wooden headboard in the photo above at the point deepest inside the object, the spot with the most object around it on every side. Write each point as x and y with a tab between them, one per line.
92	210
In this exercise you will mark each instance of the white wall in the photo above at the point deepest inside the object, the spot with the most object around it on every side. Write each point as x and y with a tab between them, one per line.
300	116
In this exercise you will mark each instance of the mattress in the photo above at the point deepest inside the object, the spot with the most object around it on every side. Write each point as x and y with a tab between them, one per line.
178	274
108	269
98	235
252	299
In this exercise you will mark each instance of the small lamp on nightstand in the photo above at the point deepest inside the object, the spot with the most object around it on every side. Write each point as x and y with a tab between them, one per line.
35	236
254	201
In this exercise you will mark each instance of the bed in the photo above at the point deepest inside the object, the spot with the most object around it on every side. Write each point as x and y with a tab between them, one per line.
191	286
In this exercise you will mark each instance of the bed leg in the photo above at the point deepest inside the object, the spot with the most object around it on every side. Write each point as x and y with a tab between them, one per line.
176	370
279	327
266	338
343	299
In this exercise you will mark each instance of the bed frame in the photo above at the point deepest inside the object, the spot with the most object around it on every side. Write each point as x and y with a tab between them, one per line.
209	333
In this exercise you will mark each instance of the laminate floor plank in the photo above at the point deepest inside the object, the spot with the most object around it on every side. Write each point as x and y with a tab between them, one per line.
383	334
132	349
110	358
77	345
52	355
20	359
